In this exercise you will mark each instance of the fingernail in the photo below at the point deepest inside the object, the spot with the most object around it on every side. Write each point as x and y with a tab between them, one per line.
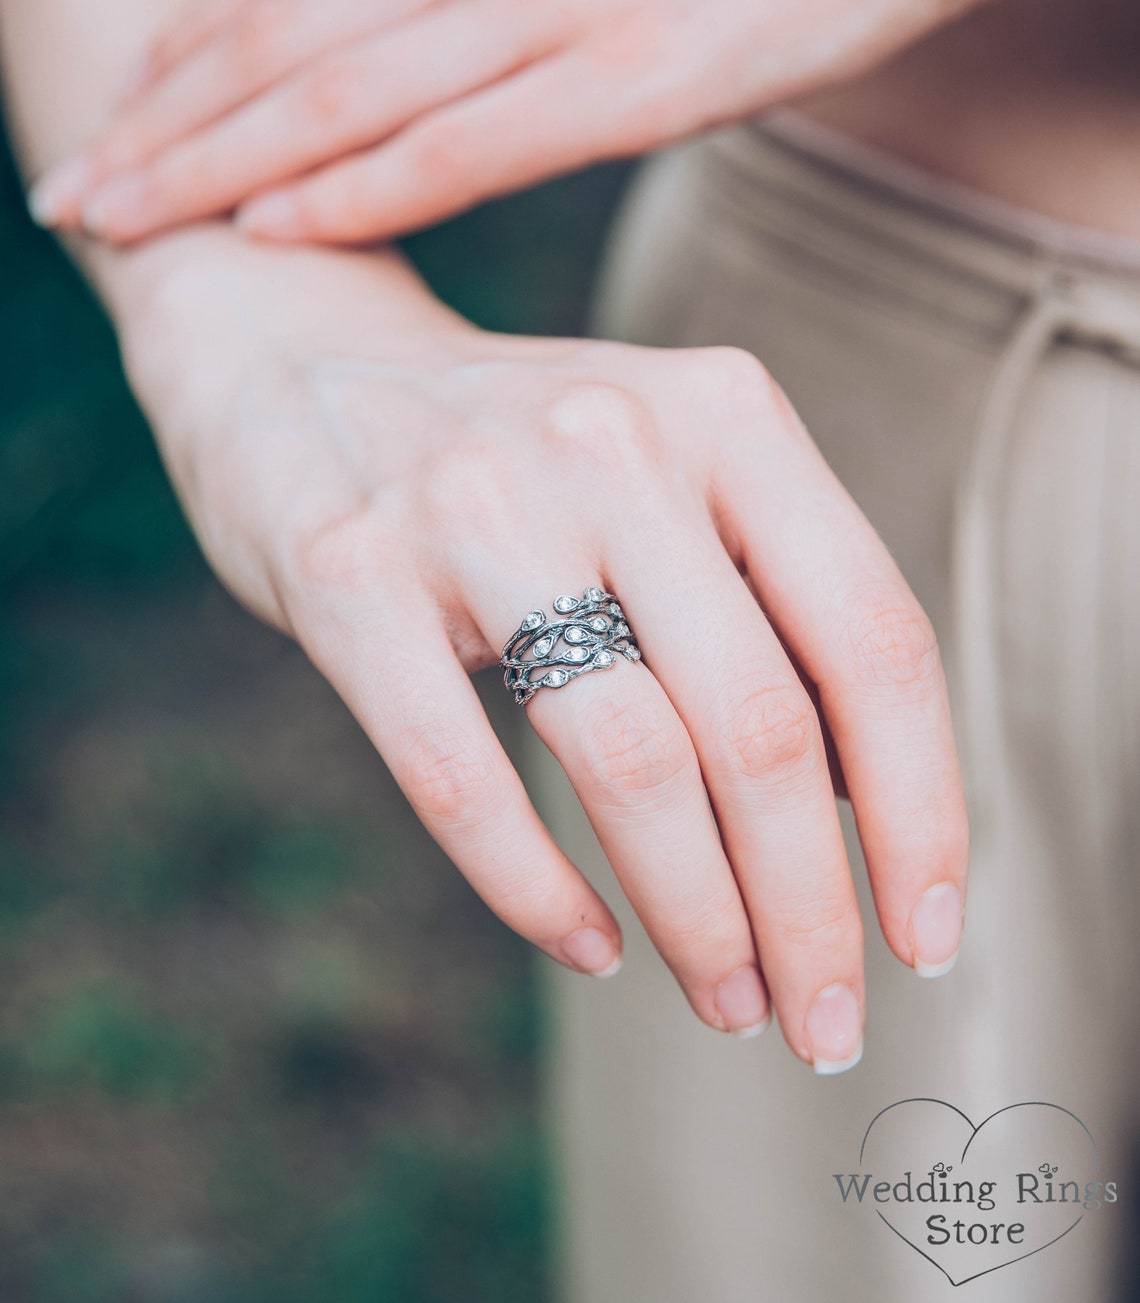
834	1030
592	952
275	215
117	203
59	190
936	930
743	1003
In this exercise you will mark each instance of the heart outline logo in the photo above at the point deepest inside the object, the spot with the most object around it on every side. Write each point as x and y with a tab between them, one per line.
974	1130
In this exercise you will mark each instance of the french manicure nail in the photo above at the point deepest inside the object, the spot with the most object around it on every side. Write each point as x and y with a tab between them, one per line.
59	190
275	215
742	1003
591	951
834	1030
115	203
936	930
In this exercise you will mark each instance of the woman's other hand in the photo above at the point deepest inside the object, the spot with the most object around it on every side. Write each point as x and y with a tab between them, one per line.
354	120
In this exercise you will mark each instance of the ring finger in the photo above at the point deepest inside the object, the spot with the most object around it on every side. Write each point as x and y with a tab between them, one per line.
634	768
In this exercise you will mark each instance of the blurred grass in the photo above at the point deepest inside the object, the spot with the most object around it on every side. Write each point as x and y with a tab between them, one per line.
258	1040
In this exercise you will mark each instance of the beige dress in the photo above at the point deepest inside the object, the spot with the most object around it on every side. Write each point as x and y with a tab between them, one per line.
975	381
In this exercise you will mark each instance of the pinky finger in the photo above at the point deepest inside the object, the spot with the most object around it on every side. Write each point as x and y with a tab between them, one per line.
432	732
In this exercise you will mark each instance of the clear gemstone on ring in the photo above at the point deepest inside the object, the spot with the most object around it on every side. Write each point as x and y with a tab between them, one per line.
565	603
534	619
575	634
594	594
543	646
604	658
555	679
577	654
600	625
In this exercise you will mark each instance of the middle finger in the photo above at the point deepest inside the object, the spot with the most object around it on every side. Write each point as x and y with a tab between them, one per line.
633	766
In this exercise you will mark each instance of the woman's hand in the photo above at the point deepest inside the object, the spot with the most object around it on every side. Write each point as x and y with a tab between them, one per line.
352	120
397	490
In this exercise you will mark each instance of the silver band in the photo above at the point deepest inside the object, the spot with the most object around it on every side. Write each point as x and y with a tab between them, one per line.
590	635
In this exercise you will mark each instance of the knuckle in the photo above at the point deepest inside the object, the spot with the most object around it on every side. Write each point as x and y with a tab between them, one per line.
705	922
631	40
816	921
447	780
771	733
166	48
724	372
256	43
444	152
603	422
348	554
332	92
731	366
634	751
469	493
893	645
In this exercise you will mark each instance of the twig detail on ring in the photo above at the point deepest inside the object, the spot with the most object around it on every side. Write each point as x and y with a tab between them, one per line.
548	653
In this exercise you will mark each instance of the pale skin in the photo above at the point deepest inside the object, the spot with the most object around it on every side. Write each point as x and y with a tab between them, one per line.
359	462
352	120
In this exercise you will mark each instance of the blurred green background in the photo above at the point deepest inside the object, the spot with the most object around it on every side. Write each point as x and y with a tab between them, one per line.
258	1039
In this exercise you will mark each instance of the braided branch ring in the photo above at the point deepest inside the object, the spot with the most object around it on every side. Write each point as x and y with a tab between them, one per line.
547	653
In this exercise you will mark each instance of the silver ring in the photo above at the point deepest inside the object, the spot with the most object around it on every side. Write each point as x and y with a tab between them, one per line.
547	653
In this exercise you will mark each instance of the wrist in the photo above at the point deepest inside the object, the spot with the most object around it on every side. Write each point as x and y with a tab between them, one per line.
202	311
